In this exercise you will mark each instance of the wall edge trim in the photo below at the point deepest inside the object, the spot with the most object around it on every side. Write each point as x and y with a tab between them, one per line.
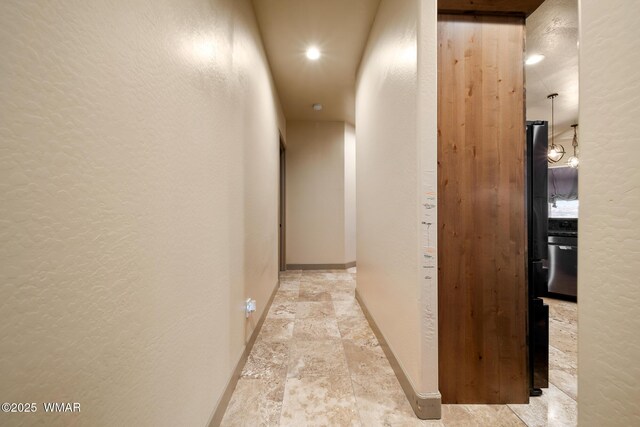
321	266
223	402
427	406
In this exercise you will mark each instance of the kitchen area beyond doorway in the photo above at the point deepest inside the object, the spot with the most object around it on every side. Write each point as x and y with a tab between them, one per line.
551	75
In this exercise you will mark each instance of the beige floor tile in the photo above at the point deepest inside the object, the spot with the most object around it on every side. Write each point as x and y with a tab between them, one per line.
337	287
337	275
316	309
343	295
349	308
565	311
308	295
313	286
357	330
342	284
316	358
479	416
316	328
366	360
284	294
564	339
342	275
290	285
268	359
255	402
494	415
319	401
457	415
276	329
569	327
563	372
432	423
381	401
325	275
553	408
282	309
316	276
290	273
317	362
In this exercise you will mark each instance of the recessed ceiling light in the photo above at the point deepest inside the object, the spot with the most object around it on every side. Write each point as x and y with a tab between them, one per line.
317	107
313	53
534	59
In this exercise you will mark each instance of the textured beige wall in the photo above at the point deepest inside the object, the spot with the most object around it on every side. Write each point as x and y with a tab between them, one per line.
138	188
609	235
427	110
315	192
387	182
349	193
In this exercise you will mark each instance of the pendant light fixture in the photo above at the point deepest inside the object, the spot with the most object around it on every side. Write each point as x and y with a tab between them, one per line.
573	160
556	152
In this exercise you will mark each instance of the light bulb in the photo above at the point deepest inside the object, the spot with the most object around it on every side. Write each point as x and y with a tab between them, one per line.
555	153
313	53
573	161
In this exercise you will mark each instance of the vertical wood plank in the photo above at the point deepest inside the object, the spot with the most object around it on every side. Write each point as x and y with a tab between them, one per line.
481	217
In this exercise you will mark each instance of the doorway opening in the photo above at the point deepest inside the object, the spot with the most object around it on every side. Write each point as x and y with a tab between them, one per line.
552	89
282	211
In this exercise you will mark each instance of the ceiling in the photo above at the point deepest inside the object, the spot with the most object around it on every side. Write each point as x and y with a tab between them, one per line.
552	30
339	28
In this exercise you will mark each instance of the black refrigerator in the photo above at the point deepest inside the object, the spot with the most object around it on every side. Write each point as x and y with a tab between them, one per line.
537	272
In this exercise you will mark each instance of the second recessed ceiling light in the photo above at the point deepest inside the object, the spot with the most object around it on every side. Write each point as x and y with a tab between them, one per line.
313	53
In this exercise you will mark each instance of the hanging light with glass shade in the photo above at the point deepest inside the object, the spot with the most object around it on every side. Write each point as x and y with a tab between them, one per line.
573	160
556	151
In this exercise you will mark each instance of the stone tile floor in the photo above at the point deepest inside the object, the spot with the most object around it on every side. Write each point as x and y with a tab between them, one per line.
316	362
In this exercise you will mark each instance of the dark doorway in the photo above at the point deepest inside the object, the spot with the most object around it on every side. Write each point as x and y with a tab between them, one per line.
282	261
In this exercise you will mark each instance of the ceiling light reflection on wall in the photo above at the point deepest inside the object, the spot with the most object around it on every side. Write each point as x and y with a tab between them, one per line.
204	49
313	53
410	54
534	59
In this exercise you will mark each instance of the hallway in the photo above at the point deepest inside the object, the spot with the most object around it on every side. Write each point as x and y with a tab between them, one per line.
316	361
162	161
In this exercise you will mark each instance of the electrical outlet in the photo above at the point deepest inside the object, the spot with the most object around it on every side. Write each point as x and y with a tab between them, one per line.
250	307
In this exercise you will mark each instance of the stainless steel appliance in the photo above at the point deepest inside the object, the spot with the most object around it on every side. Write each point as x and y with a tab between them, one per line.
563	257
537	218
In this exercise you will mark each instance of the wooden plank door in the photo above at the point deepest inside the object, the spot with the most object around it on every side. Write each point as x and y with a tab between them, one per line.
481	210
